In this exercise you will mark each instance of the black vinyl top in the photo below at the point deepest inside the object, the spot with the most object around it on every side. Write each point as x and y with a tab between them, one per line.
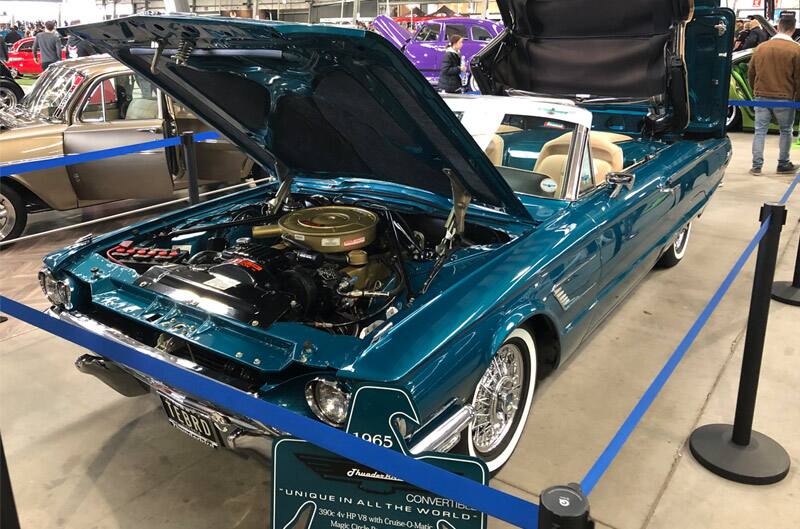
612	48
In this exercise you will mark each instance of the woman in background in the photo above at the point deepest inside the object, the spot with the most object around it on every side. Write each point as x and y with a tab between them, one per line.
450	72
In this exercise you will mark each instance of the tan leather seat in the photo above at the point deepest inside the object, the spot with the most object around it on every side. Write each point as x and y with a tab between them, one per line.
607	156
496	146
502	129
495	150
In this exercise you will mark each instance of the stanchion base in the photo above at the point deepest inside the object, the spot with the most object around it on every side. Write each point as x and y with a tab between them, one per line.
762	462
784	292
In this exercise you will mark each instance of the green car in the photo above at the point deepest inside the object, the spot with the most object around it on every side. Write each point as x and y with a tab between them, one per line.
743	118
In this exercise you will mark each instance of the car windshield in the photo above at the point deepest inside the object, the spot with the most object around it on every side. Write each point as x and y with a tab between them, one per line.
51	93
531	154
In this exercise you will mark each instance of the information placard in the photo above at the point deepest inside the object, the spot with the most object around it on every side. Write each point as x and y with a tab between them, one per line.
316	489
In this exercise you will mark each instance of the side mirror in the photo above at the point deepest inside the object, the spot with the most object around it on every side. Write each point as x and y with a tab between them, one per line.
620	180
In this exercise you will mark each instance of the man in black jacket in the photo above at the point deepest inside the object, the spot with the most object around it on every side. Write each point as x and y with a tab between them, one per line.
12	36
756	36
450	73
78	47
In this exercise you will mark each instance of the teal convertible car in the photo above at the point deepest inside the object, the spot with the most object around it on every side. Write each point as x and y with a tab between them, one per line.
458	249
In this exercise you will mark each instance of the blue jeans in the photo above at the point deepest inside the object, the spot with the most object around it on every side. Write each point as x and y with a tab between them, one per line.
785	119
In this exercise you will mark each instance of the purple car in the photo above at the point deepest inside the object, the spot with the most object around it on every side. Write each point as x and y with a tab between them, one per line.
426	47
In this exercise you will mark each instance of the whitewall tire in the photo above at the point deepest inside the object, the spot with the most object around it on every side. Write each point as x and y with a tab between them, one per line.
675	251
502	400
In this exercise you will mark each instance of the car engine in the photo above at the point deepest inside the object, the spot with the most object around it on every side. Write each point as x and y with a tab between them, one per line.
333	267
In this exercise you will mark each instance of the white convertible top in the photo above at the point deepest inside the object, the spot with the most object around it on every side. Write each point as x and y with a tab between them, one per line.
489	106
482	115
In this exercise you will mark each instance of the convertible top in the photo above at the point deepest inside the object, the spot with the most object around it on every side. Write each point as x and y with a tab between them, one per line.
612	48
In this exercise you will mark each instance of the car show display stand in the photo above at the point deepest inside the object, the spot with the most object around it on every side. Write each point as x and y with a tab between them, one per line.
8	507
736	452
317	489
564	507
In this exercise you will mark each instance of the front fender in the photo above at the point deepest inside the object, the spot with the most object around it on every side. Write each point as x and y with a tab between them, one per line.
486	303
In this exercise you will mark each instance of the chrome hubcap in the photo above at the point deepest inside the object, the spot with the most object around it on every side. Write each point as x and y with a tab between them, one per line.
8	217
497	399
7	98
731	114
680	240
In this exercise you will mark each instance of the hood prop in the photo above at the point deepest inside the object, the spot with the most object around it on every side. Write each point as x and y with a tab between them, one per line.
453	227
282	172
156	56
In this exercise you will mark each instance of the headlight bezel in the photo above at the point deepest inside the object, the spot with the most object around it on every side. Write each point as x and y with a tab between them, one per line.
57	291
334	412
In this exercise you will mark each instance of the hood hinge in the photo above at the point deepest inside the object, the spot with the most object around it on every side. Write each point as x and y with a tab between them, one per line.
454	227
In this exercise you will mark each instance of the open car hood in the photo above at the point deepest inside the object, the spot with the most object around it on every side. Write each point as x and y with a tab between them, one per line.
669	53
328	102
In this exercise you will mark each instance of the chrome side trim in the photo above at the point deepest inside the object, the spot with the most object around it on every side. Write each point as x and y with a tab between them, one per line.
441	436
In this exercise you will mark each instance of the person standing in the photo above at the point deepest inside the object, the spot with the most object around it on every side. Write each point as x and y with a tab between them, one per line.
450	72
48	43
774	74
12	36
78	47
756	36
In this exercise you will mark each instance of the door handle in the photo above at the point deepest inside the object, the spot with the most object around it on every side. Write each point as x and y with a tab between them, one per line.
152	130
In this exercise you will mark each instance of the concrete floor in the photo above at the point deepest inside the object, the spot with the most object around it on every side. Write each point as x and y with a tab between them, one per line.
82	456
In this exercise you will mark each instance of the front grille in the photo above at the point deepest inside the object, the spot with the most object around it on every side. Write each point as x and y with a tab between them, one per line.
220	367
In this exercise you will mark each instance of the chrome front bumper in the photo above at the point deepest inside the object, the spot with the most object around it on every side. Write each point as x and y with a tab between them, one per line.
234	432
440	434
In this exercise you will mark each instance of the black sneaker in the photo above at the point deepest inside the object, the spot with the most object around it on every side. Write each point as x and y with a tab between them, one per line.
788	167
755	171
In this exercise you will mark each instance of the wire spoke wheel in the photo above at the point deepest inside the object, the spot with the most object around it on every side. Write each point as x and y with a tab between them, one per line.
497	399
502	400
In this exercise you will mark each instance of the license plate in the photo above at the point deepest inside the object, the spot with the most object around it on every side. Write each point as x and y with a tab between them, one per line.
191	422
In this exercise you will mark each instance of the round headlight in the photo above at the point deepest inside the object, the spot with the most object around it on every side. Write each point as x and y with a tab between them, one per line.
329	400
59	293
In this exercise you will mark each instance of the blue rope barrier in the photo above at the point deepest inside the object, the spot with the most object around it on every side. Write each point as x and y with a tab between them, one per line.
69	159
618	441
763	104
493	502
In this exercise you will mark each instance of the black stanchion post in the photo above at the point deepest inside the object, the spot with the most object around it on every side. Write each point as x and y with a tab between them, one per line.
190	159
737	452
8	508
564	507
787	292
